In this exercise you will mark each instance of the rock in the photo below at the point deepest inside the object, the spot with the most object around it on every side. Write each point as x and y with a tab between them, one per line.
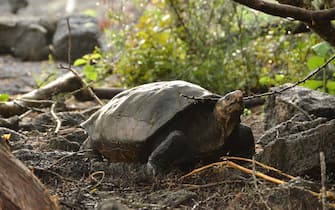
85	35
12	6
11	123
296	145
292	126
24	37
279	108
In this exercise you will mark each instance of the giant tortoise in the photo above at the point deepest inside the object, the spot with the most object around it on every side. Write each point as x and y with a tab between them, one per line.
169	123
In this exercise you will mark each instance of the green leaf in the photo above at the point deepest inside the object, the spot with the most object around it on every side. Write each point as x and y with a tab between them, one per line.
264	80
331	86
4	97
315	62
79	62
321	49
279	77
312	84
90	73
90	12
95	56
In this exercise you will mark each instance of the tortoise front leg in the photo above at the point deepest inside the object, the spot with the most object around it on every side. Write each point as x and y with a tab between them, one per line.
166	153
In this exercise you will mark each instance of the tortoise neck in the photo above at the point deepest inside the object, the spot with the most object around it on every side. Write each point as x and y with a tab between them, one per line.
227	123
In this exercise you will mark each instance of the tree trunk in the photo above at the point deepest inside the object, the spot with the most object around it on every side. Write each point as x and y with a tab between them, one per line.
19	188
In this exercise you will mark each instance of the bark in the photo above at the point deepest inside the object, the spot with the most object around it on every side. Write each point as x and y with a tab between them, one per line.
318	20
19	188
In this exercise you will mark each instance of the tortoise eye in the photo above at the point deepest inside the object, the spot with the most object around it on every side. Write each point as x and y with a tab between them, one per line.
228	97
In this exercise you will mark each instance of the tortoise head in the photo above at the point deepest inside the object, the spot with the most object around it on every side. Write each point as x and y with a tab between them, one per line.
228	111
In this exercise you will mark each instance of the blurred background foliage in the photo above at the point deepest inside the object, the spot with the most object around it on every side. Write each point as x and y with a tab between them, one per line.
217	44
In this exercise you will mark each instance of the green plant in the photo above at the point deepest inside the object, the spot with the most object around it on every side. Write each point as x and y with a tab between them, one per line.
4	97
49	72
214	43
325	81
95	65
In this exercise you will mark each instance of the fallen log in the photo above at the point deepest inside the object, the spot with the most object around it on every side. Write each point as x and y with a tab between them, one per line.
19	188
40	97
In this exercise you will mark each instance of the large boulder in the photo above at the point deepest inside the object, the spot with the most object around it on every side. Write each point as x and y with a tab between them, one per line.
300	125
85	35
280	108
294	146
12	6
25	37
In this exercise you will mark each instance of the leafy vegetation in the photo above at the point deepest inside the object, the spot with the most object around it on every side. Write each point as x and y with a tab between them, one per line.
215	43
95	66
4	97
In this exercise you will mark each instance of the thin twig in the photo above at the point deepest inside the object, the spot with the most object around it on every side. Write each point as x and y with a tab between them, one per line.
69	42
323	180
180	19
256	185
231	164
28	100
197	204
16	102
93	178
259	164
236	166
86	86
311	74
54	115
25	114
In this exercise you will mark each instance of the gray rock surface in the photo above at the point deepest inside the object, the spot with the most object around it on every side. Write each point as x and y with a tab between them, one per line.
25	37
12	6
85	36
279	108
296	150
289	127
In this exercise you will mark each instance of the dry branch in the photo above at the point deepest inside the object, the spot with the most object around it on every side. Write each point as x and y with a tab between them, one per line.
311	74
39	98
260	164
18	106
318	20
288	11
86	87
328	194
